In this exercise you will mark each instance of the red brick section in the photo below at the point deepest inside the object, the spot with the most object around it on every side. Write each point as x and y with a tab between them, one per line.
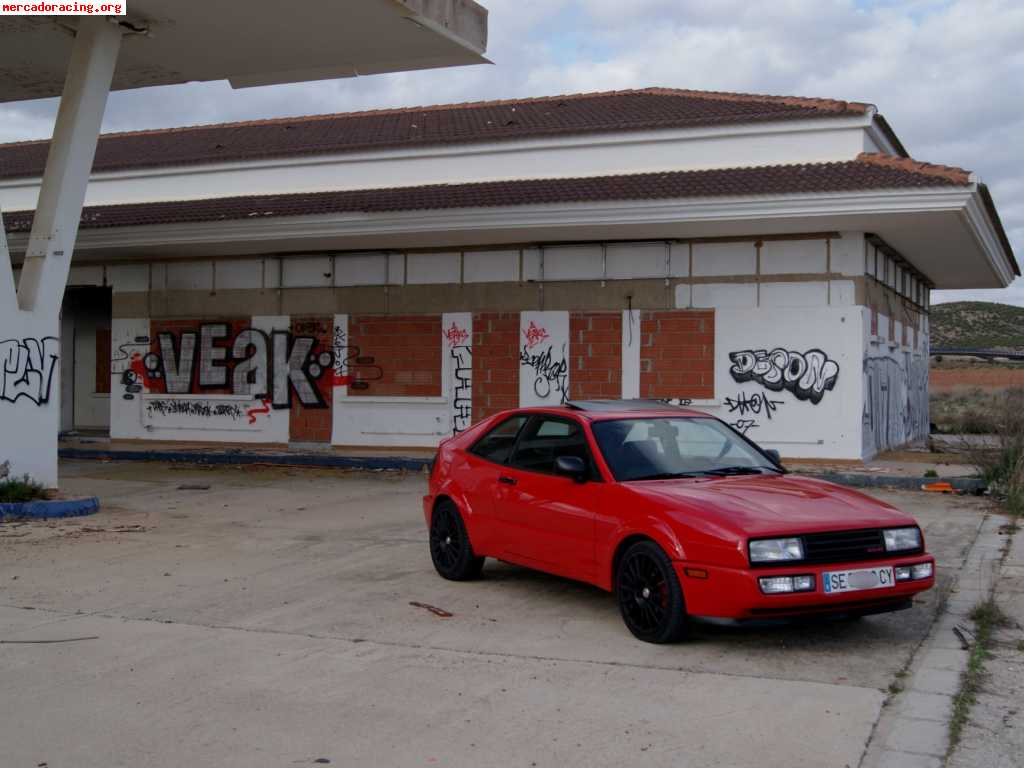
178	327
406	352
677	354
495	363
595	351
102	361
313	425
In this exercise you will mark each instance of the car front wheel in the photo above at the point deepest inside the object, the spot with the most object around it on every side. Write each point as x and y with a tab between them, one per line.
649	595
449	545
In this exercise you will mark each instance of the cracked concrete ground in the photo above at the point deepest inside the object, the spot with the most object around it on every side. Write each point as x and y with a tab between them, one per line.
266	621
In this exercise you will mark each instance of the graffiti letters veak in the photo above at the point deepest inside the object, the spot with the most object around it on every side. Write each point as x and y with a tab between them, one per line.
264	366
808	375
27	367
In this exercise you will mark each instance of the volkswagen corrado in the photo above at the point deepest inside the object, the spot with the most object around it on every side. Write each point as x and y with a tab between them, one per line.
672	510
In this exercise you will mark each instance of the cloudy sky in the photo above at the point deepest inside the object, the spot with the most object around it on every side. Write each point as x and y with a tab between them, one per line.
947	74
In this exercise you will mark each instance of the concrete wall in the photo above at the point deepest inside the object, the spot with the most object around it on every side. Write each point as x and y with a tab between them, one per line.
401	349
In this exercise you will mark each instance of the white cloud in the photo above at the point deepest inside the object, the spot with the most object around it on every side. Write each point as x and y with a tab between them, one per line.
948	74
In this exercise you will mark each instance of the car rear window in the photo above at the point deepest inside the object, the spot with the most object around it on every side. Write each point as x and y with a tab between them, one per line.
497	444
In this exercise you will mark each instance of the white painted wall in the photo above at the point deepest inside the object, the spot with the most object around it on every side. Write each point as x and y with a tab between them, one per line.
544	369
780	418
30	385
831	139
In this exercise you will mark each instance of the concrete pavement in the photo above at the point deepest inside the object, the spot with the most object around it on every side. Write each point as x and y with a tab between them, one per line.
266	621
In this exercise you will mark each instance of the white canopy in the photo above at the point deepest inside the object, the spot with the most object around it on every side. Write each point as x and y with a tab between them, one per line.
257	42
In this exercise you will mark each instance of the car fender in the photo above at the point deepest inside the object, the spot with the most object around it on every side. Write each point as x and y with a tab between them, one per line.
659	531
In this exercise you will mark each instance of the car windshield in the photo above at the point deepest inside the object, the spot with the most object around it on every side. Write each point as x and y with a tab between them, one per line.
668	447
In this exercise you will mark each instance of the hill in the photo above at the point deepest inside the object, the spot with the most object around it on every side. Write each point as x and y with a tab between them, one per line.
977	325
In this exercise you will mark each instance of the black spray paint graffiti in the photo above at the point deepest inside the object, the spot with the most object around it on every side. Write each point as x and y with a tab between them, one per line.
744	405
351	368
128	361
459	348
199	408
267	366
27	367
552	375
807	375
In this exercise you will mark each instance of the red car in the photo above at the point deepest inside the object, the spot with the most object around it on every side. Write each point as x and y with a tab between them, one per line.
671	509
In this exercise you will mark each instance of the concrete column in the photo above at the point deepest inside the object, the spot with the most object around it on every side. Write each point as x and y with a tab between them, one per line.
30	319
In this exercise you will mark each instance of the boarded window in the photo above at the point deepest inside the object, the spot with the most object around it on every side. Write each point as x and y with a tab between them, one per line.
102	361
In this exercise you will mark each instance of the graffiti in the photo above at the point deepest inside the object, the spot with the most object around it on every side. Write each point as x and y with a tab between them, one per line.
462	399
807	375
551	374
534	335
757	404
252	413
895	401
351	368
744	425
201	408
456	336
682	402
27	367
264	366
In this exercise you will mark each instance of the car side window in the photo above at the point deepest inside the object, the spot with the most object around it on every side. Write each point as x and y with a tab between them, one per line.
545	439
497	444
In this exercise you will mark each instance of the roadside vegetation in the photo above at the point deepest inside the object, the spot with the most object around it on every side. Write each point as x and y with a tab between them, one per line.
987	617
15	490
1000	459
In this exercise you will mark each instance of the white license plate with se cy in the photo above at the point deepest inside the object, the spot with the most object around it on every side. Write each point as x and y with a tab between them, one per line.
853	581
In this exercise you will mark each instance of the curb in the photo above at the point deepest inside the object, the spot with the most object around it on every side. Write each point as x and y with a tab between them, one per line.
44	509
242	457
856	480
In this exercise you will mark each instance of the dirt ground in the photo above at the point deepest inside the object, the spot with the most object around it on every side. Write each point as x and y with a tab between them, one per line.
272	617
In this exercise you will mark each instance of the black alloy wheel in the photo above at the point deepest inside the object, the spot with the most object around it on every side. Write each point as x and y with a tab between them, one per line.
650	598
449	545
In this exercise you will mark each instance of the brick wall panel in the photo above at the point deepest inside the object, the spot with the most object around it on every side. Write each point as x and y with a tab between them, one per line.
406	352
595	351
677	354
495	363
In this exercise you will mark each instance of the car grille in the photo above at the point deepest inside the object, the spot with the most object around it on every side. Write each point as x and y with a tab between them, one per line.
844	546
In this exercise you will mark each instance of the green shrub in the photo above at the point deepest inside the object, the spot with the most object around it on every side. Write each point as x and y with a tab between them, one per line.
15	490
931	473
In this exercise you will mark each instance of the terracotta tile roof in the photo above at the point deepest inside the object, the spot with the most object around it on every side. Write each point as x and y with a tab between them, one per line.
867	172
646	109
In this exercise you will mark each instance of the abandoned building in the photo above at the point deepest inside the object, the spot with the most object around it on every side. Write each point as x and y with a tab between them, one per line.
382	279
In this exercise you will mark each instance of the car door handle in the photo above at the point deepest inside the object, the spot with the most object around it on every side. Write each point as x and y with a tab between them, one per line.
507	480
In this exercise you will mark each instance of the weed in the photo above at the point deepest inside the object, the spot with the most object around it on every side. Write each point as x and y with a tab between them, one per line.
931	473
15	490
987	616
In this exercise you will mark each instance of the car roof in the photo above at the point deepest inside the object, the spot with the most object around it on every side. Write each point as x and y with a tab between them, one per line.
606	410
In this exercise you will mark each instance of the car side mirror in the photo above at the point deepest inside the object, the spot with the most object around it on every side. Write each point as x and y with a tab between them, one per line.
571	466
773	454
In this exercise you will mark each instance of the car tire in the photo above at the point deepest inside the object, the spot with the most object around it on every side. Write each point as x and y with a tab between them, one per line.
450	548
649	596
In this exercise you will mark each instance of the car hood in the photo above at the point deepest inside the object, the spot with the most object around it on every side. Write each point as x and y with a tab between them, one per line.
768	505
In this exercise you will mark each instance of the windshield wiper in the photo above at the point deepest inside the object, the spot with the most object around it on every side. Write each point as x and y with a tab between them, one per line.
666	476
722	472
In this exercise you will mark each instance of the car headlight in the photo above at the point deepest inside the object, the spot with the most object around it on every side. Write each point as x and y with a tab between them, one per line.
902	539
775	550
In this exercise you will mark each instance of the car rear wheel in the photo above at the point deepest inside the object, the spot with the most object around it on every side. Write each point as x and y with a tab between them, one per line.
449	545
649	595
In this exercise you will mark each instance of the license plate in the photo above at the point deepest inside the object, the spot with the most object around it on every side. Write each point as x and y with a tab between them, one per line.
852	581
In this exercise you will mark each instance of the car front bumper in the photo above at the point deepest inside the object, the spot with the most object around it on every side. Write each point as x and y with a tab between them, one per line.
734	593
